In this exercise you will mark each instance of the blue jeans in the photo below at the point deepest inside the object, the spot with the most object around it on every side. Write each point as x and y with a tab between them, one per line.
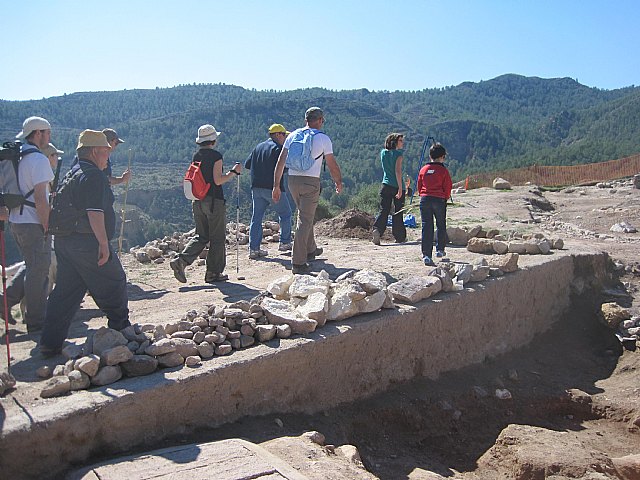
433	207
261	200
78	271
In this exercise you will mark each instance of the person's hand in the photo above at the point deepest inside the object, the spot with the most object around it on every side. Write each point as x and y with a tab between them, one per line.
275	194
407	182
4	214
237	168
339	188
126	176
399	194
103	254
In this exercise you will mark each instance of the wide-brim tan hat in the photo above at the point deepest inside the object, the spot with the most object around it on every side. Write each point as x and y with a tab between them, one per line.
50	150
92	138
207	133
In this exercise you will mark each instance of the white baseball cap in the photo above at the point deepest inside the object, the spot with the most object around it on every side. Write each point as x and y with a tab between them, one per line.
32	124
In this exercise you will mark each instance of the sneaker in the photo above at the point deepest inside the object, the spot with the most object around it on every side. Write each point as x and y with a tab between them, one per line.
285	247
253	254
428	262
375	237
440	253
217	277
177	265
312	256
300	269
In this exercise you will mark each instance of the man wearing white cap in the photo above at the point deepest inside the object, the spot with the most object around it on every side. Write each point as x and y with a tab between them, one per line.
85	259
30	222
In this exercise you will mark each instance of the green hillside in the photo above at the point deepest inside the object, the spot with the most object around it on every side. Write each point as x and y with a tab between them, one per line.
506	122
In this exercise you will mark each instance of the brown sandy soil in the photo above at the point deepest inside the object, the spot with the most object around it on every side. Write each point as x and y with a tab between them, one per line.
436	428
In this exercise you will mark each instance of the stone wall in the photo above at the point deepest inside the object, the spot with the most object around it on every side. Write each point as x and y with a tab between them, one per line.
343	362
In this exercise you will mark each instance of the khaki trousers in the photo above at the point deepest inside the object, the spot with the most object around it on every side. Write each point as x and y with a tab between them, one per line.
305	192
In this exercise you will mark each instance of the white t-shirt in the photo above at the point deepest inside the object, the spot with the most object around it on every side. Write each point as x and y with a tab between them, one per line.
320	147
34	168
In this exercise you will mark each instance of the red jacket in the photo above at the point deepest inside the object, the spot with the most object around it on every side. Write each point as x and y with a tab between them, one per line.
434	181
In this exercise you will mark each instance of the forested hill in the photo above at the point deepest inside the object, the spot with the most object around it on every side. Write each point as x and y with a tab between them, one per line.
505	122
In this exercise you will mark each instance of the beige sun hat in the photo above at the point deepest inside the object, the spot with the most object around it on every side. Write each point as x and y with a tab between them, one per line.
92	138
207	133
50	150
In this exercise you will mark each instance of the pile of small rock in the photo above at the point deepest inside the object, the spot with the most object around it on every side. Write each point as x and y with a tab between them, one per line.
620	319
159	250
293	304
478	240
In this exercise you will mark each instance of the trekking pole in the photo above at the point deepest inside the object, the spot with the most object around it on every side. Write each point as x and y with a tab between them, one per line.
124	210
237	225
424	149
4	297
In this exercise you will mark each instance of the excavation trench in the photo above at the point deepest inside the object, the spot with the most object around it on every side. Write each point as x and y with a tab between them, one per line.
334	369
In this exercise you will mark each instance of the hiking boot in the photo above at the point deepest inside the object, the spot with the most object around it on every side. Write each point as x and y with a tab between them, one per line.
177	265
285	247
253	254
312	256
48	352
440	253
300	269
428	261
217	277
375	237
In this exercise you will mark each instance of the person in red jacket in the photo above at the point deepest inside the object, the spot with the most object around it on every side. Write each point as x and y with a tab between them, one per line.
434	187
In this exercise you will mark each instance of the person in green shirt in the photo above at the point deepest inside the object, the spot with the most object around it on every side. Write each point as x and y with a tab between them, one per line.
392	191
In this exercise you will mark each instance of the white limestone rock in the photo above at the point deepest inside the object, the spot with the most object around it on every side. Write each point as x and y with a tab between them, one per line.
206	350
192	361
518	247
500	247
185	347
372	303
283	331
370	281
501	184
224	348
279	288
457	236
414	289
315	306
279	312
463	271
305	285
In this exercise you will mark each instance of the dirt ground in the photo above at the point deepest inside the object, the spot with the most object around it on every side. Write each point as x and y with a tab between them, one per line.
442	428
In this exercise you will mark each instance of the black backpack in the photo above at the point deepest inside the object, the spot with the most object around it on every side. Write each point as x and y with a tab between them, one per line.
10	155
65	218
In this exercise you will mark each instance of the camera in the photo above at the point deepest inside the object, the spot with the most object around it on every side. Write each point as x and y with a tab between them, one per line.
10	151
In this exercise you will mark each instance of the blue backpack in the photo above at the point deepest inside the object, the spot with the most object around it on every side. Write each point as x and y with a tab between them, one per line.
299	155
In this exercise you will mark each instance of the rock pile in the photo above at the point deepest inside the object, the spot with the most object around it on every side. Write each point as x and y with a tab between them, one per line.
620	319
293	304
478	240
157	251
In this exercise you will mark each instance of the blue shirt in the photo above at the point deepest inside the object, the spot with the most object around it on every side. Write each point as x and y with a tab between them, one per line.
262	163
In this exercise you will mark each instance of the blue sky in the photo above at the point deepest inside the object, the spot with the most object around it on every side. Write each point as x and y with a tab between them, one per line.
74	46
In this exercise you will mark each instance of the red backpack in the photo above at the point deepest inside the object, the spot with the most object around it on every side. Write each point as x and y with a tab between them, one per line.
194	184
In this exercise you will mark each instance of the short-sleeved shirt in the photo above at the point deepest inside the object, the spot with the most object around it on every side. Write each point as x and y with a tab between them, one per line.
262	163
208	157
33	169
91	192
320	147
388	159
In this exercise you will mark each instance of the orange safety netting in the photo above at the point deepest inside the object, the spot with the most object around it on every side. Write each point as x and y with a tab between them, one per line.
556	176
